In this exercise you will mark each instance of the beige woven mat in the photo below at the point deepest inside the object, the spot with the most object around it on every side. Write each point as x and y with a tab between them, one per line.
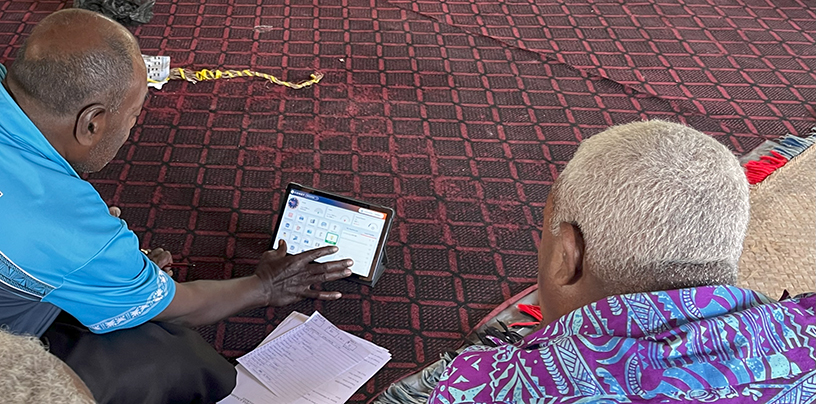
780	248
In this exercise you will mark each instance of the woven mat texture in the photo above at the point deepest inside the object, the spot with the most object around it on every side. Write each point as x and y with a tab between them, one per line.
780	248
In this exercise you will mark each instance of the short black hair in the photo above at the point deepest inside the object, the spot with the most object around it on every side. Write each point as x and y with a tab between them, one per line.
65	82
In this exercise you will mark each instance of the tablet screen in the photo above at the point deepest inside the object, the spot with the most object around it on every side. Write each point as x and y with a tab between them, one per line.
310	221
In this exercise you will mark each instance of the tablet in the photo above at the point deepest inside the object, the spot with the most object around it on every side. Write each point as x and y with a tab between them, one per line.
311	219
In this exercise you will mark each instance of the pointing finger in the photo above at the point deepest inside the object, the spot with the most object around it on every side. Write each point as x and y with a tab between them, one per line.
311	255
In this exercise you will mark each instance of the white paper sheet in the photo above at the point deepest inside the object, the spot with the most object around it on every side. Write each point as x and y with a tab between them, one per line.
339	390
249	390
311	355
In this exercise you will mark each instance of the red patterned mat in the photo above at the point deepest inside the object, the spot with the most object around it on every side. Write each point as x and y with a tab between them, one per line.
747	63
462	134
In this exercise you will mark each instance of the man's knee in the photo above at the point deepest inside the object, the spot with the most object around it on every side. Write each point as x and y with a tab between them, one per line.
193	366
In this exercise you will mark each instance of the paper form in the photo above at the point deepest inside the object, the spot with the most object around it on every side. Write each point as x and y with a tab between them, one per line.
291	321
343	387
249	390
310	355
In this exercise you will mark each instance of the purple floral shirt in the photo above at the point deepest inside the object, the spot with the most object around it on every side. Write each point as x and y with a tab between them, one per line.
705	344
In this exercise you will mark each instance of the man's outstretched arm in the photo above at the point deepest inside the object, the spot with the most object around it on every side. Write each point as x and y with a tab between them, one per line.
279	280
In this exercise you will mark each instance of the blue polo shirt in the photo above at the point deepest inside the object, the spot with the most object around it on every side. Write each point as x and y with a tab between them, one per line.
59	246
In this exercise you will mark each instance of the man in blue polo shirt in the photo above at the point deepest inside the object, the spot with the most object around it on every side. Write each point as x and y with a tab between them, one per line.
68	104
64	270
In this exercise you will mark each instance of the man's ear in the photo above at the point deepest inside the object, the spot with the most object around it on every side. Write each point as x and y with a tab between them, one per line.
90	125
572	249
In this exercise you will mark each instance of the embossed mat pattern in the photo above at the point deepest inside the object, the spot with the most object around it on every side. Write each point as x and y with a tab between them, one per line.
461	133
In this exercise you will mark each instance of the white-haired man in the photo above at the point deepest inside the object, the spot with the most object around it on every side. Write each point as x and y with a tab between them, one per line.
642	235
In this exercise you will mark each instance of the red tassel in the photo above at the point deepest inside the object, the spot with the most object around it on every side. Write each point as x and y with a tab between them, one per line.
757	171
532	311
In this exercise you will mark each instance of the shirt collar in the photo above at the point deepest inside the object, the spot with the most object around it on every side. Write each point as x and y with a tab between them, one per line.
642	314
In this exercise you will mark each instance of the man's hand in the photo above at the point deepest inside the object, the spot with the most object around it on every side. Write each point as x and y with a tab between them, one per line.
114	211
159	256
162	258
288	278
279	280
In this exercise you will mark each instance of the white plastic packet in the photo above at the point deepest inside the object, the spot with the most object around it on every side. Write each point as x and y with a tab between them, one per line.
158	70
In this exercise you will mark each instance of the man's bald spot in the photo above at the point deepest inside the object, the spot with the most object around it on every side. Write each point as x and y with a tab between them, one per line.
75	31
74	58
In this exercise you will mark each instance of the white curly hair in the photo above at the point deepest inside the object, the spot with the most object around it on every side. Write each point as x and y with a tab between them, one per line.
661	206
29	374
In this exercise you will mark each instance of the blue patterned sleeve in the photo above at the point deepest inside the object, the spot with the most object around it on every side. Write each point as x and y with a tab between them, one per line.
117	288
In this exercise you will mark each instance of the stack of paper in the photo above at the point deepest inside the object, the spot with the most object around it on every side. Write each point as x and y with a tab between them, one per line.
306	360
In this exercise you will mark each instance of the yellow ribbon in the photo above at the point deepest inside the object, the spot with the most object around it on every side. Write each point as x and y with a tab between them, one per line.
179	73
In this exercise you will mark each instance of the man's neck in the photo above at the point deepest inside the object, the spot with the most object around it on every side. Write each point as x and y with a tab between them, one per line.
8	90
51	127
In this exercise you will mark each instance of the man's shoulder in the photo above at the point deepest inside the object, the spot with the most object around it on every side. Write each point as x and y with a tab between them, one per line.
52	223
730	335
32	183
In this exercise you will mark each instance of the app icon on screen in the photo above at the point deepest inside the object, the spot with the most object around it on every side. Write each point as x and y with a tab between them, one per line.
293	203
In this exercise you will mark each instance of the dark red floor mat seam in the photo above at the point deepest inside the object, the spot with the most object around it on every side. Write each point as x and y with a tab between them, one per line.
685	108
544	54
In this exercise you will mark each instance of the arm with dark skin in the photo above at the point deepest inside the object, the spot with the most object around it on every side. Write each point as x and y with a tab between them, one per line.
279	280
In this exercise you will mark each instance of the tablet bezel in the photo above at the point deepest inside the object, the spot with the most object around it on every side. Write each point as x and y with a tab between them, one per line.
388	212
